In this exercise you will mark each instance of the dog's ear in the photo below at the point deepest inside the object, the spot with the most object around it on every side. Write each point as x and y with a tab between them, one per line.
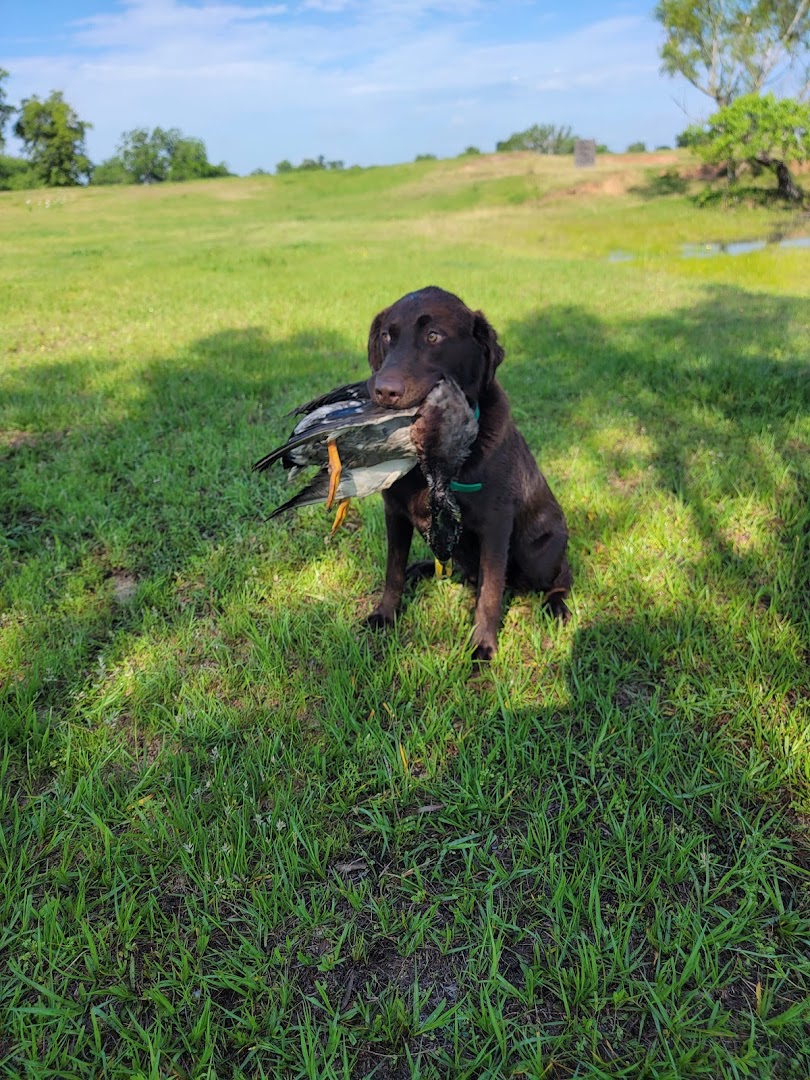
375	355
488	340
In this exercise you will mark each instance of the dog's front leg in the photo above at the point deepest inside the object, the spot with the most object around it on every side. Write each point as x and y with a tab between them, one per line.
491	582
400	534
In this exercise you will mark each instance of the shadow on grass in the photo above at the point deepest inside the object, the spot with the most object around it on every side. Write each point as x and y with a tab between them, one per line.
740	194
668	182
716	401
592	829
710	394
118	509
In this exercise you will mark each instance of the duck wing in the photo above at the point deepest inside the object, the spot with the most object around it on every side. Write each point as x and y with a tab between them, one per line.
372	428
351	392
354	483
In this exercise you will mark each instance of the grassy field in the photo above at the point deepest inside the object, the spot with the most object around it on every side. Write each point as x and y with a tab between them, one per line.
243	838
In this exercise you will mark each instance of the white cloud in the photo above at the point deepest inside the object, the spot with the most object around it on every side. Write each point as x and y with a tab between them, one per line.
376	81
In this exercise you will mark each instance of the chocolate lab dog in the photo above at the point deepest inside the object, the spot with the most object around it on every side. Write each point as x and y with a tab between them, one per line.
513	530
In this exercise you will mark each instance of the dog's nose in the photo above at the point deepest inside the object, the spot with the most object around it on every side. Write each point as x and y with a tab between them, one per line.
388	390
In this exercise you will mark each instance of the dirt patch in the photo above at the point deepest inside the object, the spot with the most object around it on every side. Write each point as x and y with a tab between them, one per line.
124	586
615	184
17	440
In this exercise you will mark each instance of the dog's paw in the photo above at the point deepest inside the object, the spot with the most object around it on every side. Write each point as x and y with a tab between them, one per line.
555	603
482	654
379	620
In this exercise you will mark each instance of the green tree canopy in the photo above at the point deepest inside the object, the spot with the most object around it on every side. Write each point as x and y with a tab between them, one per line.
53	137
6	110
763	132
728	48
150	157
540	138
189	161
310	165
112	171
147	156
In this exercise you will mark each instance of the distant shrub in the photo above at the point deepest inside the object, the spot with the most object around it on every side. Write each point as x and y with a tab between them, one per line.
16	174
425	157
694	135
470	151
310	165
111	171
541	139
637	148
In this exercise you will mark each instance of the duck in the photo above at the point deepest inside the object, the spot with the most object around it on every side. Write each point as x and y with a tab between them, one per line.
361	448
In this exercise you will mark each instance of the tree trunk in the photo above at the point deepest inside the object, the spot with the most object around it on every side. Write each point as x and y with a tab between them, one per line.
788	188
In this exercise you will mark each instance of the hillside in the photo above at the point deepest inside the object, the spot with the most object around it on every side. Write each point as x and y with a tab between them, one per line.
242	836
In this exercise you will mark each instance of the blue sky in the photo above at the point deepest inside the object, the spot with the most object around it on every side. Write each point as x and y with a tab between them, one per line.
365	81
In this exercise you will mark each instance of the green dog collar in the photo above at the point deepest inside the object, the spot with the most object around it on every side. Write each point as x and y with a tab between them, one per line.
456	485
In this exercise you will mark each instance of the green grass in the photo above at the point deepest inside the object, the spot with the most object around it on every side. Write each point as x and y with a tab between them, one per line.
240	836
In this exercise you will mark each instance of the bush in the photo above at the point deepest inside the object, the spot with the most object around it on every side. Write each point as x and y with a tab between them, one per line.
310	165
112	171
16	174
540	138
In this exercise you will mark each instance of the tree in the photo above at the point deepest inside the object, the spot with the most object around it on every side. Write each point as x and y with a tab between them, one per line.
189	161
728	48
637	148
310	165
163	154
53	137
6	110
762	132
147	156
112	171
540	138
470	151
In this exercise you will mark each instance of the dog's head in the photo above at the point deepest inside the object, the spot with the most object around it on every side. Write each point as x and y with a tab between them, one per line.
422	338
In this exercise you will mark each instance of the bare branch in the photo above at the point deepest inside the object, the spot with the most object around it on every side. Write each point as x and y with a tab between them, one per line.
781	45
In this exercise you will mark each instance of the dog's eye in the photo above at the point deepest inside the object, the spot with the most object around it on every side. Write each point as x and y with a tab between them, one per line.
433	337
385	337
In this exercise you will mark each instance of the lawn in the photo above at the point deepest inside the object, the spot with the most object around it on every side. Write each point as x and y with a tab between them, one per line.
243	837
